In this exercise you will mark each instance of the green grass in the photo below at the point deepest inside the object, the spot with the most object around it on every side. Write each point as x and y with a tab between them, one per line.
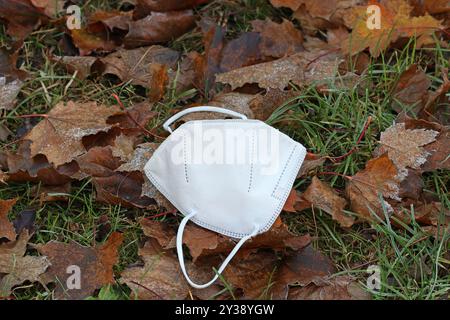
413	265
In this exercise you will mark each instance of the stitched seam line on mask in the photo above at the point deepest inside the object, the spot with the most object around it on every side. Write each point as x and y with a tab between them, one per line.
282	173
282	201
252	159
184	155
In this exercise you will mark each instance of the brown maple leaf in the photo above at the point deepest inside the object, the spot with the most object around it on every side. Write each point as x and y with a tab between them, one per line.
405	147
17	267
302	69
368	189
59	135
94	264
397	22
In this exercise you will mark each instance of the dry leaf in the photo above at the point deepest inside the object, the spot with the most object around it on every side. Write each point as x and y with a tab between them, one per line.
158	27
6	227
144	7
88	43
23	167
336	288
322	196
17	267
9	92
95	265
368	189
396	23
291	201
136	65
405	146
59	136
141	155
79	64
272	45
301	68
263	105
253	275
21	17
301	268
113	187
160	277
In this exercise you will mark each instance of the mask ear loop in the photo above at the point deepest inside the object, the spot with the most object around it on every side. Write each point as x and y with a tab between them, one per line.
225	262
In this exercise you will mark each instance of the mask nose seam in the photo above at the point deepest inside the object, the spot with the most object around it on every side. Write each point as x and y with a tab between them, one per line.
252	159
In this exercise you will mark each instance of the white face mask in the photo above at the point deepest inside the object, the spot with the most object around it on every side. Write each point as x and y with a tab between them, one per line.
229	176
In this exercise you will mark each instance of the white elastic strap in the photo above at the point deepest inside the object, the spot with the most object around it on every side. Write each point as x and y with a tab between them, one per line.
177	116
225	262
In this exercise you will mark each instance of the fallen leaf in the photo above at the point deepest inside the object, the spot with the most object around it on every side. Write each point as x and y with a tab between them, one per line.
336	288
6	227
88	43
158	27
18	267
309	165
438	150
314	16
136	65
405	147
25	220
436	107
95	265
82	65
144	7
290	201
249	48
23	167
123	147
160	231
368	189
263	105
111	186
253	275
322	196
397	23
202	242
301	268
59	136
50	7
9	92
410	93
137	162
272	45
160	277
302	69
21	17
